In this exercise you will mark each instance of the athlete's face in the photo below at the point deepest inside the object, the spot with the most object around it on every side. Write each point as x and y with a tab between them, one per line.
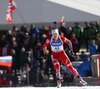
55	36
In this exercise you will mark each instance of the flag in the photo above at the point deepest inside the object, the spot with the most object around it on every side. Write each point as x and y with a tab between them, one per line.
10	10
6	61
63	21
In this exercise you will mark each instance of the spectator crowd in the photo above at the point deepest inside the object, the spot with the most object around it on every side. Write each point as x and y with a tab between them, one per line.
25	46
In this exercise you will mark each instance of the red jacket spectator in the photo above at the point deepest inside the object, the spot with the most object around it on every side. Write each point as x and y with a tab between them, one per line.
75	43
4	82
4	51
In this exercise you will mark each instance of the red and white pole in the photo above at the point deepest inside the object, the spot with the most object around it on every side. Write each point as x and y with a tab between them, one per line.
99	68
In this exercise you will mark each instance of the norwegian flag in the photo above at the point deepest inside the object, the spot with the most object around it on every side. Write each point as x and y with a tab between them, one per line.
63	21
10	10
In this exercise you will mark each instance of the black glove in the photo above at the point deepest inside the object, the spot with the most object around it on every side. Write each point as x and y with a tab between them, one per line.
71	53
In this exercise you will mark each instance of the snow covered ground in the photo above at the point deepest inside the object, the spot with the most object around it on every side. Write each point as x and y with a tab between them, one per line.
73	87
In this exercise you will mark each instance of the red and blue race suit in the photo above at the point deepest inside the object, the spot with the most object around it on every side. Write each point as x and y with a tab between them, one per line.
58	54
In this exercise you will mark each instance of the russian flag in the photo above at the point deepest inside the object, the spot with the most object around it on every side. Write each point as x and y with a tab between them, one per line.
6	61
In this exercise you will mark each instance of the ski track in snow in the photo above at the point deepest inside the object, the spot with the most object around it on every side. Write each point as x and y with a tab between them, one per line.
66	87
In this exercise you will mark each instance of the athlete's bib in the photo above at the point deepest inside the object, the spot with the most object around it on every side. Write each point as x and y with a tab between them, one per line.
56	46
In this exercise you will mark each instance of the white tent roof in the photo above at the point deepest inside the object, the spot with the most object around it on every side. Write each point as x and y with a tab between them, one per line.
48	11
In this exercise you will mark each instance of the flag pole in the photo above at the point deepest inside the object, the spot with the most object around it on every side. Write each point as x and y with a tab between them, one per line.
23	20
20	15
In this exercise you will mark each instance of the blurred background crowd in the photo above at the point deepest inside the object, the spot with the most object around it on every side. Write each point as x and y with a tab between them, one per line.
29	66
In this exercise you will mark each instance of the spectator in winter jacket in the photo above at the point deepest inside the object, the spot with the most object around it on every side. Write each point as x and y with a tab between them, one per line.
75	43
37	77
93	48
9	36
4	81
23	58
22	73
98	26
69	33
78	33
86	34
5	50
34	30
97	41
62	29
24	29
93	31
83	56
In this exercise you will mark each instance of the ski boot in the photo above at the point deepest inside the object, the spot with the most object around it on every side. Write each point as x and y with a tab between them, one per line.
58	84
81	81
